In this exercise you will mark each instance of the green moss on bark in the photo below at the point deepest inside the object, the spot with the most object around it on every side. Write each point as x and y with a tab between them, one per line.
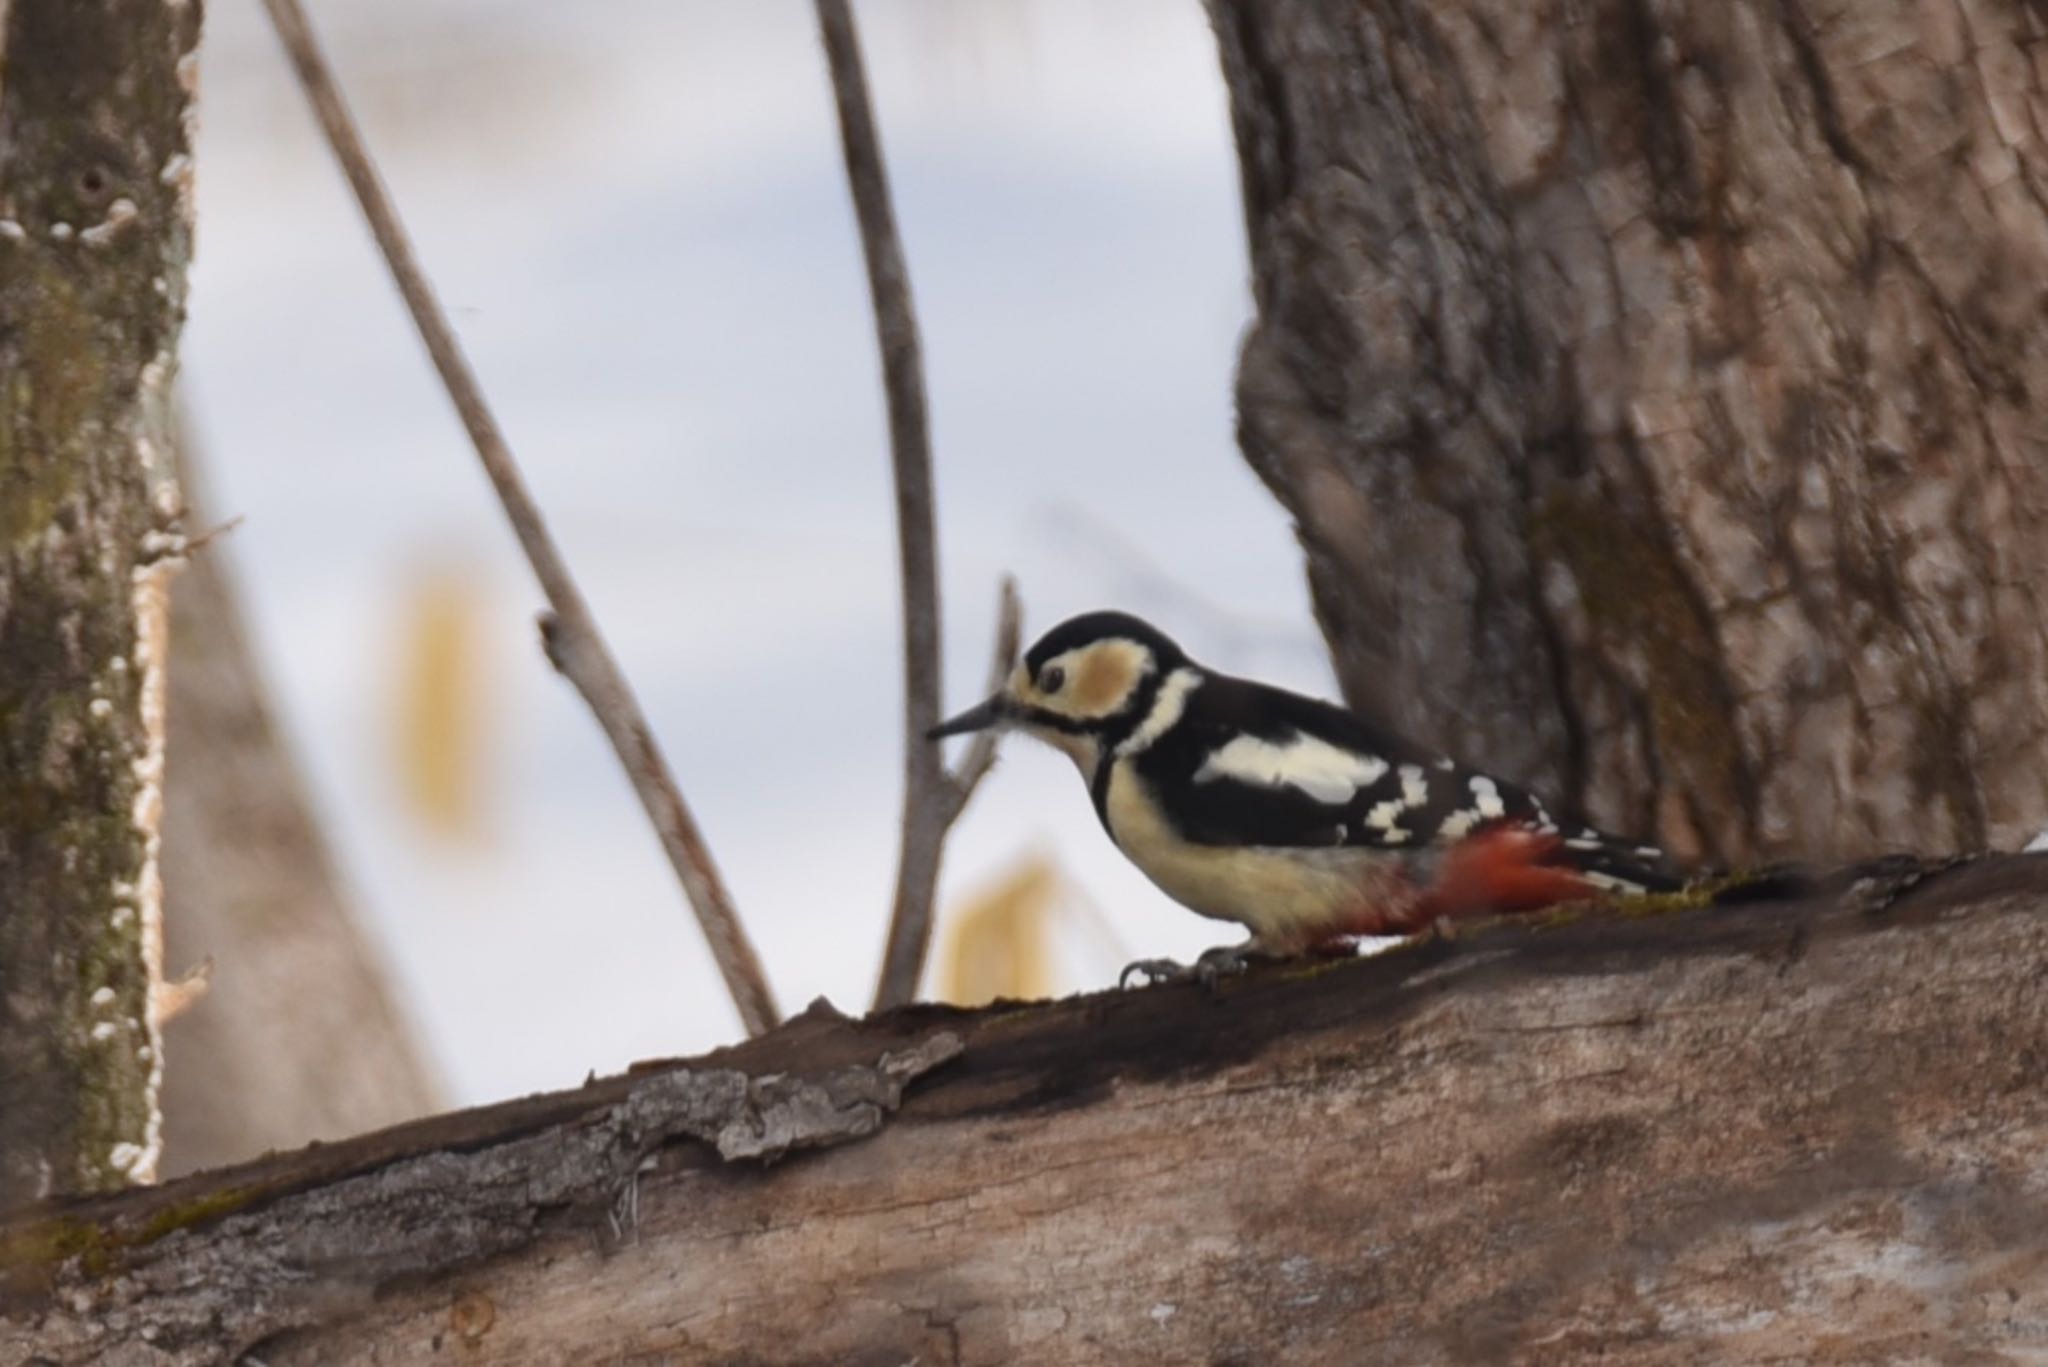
1637	599
94	237
35	1252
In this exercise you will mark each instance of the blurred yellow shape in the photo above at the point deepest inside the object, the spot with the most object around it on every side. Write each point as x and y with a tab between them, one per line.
999	944
439	712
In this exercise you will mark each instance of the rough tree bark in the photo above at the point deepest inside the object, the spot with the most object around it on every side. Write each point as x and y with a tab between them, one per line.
1661	391
1806	1128
297	1037
95	232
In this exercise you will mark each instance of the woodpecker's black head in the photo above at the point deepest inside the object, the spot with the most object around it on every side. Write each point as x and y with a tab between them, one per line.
1084	682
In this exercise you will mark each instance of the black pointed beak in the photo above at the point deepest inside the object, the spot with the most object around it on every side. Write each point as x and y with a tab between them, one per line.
977	718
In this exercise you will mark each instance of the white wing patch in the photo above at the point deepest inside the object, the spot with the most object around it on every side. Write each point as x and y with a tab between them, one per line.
1486	797
1326	772
1458	825
1384	814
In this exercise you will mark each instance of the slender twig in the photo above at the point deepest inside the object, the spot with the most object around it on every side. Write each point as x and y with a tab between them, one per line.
981	754
195	544
932	798
927	820
570	633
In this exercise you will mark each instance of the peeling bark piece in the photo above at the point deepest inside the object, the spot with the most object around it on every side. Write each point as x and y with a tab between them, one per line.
219	1263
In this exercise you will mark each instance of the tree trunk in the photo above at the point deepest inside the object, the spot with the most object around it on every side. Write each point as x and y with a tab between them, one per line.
1806	1128
297	1037
1661	391
95	232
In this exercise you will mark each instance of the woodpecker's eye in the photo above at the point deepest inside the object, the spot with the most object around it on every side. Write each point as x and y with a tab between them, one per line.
1052	680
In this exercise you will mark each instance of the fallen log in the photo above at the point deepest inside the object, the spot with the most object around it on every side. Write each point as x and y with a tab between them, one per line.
1809	1127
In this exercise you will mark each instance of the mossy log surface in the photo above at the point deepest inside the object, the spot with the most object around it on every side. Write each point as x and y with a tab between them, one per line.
95	232
1661	394
1805	1128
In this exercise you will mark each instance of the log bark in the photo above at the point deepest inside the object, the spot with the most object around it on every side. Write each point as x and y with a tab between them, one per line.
1661	392
296	1037
1807	1128
95	232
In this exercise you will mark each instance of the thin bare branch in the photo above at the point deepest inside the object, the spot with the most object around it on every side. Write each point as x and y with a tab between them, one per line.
203	541
981	754
926	822
571	635
924	779
931	796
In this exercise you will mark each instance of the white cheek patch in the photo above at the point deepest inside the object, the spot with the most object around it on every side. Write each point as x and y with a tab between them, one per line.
1324	771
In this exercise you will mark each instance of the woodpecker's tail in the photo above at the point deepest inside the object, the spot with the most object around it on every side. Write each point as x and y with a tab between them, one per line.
1512	866
1613	864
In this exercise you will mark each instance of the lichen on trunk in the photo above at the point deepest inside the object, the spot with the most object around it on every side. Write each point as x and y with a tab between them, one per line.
95	234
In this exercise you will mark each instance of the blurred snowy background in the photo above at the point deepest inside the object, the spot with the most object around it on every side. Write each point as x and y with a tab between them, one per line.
637	213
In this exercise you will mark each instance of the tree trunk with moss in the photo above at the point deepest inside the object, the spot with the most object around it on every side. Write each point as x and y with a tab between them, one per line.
95	233
1661	391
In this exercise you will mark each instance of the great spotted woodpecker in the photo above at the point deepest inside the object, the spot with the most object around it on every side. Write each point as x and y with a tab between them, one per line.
1302	821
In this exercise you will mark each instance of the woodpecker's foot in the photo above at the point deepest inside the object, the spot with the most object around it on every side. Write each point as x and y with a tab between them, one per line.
1224	961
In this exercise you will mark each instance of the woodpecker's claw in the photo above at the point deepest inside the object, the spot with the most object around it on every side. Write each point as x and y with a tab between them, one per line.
1152	972
1224	961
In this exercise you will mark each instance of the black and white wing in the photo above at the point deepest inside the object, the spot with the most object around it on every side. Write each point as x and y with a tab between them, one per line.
1249	764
